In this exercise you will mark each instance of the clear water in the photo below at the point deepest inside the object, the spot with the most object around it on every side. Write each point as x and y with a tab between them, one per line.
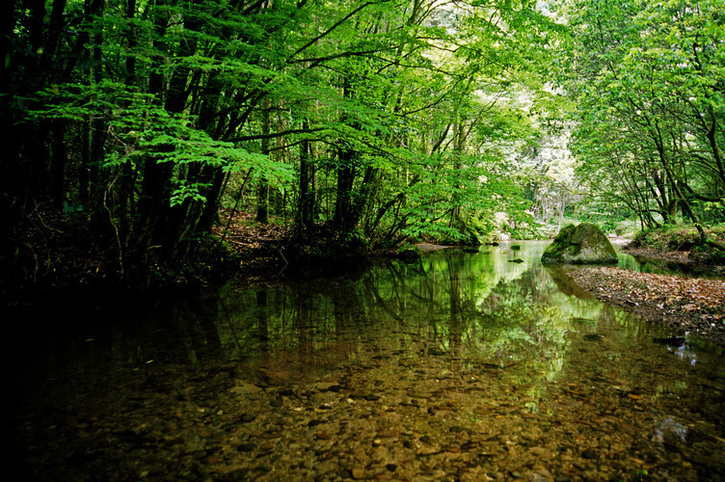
462	366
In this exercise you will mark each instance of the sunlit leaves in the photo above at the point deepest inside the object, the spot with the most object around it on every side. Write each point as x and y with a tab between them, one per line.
140	128
647	78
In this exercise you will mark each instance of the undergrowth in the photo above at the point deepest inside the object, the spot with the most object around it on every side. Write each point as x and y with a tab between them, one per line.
684	238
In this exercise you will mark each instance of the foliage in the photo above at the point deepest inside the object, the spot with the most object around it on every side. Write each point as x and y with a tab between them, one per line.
680	238
646	77
391	119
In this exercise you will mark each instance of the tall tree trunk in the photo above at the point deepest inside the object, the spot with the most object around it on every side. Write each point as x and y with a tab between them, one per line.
210	213
711	135
126	196
84	178
456	221
263	201
675	183
263	186
306	208
160	223
154	199
58	163
210	121
97	129
345	181
132	43
9	190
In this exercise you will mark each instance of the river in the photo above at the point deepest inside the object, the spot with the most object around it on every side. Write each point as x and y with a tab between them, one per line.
461	366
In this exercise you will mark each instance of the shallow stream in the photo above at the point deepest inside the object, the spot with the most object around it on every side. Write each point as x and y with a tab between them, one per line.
461	366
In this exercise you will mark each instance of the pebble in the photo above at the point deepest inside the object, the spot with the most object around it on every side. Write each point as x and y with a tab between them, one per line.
590	454
247	417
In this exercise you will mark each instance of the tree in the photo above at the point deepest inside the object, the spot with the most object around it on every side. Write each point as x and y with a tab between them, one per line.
647	77
137	114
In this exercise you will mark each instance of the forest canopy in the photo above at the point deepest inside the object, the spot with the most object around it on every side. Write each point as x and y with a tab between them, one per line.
382	120
648	79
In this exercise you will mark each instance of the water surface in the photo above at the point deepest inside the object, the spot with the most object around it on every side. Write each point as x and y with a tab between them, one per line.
462	366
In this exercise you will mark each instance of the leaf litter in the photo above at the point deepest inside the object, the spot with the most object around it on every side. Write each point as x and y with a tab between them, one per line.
693	305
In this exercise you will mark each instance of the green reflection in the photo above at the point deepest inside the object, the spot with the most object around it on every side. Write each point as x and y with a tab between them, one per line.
471	309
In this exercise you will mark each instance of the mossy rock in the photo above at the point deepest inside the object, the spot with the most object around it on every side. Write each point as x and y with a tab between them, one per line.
581	244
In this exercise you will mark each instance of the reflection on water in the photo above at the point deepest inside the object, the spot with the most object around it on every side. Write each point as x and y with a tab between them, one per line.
471	306
663	266
482	367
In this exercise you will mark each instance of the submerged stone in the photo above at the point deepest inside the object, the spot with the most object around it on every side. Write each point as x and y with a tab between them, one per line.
581	244
675	341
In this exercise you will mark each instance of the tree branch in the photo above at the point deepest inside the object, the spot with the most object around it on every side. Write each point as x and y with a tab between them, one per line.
333	28
275	135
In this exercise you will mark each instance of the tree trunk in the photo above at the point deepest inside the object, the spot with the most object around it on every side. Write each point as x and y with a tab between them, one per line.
306	208
263	187
97	130
58	162
346	173
210	213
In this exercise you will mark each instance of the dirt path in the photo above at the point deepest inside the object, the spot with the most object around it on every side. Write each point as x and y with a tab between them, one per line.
689	304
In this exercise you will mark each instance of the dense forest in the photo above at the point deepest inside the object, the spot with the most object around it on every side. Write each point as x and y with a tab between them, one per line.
365	123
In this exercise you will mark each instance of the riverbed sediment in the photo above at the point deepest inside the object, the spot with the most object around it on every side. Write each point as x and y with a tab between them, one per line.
689	305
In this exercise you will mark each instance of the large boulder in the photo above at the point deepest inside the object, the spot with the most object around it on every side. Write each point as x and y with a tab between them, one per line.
581	244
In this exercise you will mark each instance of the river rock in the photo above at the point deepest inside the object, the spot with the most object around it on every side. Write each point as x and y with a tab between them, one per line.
581	244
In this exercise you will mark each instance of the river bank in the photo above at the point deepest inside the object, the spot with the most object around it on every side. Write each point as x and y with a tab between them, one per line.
689	305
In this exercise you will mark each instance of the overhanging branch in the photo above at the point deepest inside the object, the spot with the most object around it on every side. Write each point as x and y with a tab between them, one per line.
275	135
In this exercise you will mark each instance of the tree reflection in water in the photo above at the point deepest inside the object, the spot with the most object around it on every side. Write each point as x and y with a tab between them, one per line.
458	366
